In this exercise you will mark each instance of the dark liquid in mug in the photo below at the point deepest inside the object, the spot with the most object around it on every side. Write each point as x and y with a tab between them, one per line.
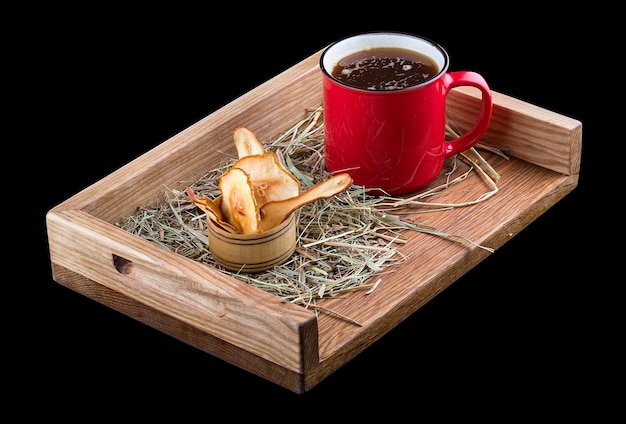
385	68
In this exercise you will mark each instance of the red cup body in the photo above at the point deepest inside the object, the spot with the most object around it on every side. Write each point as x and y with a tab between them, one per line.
394	141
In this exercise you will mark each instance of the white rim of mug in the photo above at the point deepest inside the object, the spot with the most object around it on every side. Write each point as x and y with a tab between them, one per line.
357	42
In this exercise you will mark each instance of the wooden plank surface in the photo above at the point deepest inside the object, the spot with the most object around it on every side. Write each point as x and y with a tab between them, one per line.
525	192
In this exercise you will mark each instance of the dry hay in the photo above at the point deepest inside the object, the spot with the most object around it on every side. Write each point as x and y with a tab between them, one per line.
342	241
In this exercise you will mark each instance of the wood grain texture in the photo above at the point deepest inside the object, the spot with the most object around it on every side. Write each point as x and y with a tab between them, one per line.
525	131
285	343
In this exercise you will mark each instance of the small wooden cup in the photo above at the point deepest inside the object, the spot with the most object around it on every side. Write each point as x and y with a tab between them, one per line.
252	253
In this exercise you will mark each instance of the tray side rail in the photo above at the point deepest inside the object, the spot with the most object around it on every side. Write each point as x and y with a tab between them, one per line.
522	130
193	293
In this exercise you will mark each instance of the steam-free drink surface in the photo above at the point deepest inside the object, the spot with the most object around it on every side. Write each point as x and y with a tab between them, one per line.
385	68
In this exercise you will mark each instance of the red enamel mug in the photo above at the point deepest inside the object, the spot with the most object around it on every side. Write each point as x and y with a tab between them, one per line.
394	141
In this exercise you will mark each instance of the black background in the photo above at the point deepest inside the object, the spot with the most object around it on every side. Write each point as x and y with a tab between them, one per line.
524	334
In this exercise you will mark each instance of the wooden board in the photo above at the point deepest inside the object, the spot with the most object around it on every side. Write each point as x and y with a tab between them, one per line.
259	332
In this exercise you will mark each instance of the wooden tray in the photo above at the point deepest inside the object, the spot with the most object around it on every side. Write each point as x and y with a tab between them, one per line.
257	331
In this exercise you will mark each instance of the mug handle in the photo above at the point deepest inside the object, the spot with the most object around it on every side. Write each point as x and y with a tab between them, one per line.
475	133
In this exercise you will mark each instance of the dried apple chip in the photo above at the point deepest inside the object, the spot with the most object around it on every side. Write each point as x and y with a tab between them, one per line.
238	204
258	192
275	212
246	142
212	210
270	180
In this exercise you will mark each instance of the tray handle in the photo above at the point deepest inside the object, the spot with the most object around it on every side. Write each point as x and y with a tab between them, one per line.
191	292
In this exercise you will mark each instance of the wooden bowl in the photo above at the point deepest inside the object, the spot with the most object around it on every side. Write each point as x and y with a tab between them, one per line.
252	253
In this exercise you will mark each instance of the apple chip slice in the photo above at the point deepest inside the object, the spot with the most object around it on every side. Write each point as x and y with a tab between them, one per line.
275	212
238	204
213	211
246	142
270	180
